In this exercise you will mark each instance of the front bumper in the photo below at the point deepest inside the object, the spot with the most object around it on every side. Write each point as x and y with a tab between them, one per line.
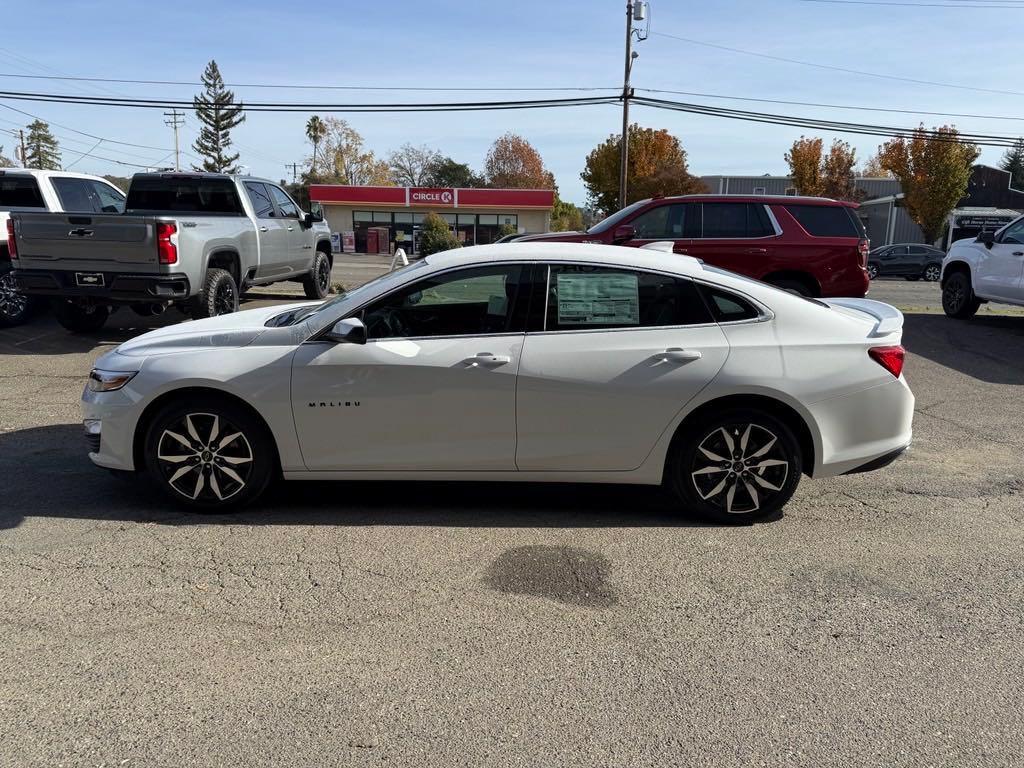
116	287
109	420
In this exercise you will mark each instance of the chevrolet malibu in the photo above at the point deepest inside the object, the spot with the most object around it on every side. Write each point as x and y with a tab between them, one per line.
521	362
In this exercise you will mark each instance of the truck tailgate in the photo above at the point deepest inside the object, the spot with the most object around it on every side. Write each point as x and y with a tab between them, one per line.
63	241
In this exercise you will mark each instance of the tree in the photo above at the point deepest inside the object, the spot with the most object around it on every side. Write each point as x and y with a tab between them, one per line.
218	113
121	182
513	163
411	166
657	166
344	159
435	235
445	172
566	217
41	148
315	132
804	159
1013	161
872	168
5	162
934	168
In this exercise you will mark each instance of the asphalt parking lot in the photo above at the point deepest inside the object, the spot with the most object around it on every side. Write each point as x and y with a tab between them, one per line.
878	621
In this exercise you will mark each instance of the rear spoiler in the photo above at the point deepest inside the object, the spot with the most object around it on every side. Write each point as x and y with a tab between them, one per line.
888	319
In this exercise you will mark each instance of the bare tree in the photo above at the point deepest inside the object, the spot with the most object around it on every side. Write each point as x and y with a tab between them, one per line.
411	166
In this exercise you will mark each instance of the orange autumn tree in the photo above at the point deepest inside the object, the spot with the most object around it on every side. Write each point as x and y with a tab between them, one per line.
804	159
513	163
831	175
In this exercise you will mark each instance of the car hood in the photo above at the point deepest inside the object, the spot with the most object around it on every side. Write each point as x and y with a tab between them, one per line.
235	330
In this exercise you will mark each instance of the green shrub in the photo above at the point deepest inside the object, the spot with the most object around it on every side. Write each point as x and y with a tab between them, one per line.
435	235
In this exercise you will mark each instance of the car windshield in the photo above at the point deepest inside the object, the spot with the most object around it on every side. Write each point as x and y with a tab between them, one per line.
607	223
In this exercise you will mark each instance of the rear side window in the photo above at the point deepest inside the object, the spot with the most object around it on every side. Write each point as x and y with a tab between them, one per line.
194	195
826	220
736	220
728	307
20	192
582	297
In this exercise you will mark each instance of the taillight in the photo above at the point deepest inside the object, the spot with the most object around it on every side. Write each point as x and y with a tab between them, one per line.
166	249
863	247
12	246
890	358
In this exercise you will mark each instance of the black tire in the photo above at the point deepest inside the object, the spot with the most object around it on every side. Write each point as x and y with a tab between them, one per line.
317	284
932	273
958	299
212	470
718	489
798	287
15	307
80	318
872	271
218	297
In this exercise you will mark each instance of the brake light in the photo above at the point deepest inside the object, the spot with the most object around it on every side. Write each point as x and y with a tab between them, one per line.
12	246
862	248
890	358
165	247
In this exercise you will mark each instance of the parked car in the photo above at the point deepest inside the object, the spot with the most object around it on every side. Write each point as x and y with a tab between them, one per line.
527	362
910	260
809	245
22	189
989	267
193	240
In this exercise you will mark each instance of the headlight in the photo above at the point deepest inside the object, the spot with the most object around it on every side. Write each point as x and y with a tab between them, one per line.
108	381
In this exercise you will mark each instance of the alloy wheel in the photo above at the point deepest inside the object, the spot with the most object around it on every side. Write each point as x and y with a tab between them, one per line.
203	456
739	468
954	296
872	272
932	273
12	302
323	275
224	298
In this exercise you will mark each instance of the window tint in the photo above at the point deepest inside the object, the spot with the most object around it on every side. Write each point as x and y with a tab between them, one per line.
468	302
110	200
288	209
727	306
1014	233
826	220
183	193
74	194
20	192
262	205
736	220
581	297
670	222
916	250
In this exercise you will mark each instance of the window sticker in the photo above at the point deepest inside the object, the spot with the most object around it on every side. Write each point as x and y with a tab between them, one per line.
598	299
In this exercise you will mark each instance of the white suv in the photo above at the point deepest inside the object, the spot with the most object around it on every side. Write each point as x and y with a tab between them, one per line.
989	267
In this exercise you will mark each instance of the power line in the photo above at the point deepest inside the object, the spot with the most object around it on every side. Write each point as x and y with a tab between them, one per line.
81	133
832	68
1003	6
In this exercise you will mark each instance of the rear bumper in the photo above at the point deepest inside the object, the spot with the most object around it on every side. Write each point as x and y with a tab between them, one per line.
852	283
116	287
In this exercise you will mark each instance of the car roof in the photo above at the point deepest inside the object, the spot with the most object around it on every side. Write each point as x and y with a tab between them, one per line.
780	199
35	173
202	175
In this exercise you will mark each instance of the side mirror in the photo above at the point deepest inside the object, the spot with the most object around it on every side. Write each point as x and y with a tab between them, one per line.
624	232
317	210
987	237
348	331
307	220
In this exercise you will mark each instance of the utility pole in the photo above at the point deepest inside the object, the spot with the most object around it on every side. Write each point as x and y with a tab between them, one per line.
177	119
21	135
295	171
635	11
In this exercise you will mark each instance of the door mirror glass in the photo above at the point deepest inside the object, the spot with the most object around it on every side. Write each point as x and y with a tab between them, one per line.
987	238
348	331
624	232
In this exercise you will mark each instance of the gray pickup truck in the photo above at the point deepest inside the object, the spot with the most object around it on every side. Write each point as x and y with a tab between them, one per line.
191	240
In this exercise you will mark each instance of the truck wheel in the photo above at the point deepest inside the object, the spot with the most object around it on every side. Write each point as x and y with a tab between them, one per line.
15	307
317	283
219	295
958	299
799	287
80	318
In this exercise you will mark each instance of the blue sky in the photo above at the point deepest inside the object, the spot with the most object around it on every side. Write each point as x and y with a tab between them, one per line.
523	44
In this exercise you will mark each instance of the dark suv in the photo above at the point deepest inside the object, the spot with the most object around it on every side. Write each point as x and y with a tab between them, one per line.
810	245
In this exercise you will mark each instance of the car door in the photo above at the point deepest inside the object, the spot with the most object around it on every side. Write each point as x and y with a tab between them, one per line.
432	389
271	231
1001	267
300	247
893	261
734	235
618	353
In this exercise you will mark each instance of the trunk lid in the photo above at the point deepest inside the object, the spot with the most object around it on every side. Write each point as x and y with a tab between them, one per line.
882	320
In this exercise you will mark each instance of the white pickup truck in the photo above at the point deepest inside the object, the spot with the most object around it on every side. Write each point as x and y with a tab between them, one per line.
24	190
989	267
192	240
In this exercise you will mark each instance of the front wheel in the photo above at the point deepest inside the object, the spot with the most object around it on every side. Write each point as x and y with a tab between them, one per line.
212	455
80	318
317	284
736	466
793	286
958	299
932	273
872	271
218	297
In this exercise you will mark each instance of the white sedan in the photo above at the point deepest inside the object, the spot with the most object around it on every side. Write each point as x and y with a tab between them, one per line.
523	362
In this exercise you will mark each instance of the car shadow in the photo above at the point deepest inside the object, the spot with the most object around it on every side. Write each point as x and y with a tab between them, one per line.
986	347
55	479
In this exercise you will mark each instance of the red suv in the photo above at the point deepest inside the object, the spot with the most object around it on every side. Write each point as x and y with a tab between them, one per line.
811	245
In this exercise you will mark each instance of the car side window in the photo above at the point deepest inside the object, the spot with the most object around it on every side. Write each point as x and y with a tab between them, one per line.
284	203
74	195
727	307
583	297
736	220
669	222
1014	234
467	302
262	205
110	200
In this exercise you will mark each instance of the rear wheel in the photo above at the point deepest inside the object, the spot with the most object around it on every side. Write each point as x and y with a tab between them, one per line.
799	287
872	271
80	318
736	466
219	295
15	307
932	273
958	299
317	284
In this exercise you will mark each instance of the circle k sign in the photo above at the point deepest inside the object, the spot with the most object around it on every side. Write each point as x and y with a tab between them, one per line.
430	196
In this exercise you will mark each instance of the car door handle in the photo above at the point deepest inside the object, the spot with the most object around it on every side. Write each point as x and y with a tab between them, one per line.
290	228
1018	253
264	229
680	250
757	251
486	360
678	355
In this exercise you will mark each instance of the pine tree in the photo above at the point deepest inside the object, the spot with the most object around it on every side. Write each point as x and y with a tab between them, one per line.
219	113
41	148
1013	161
